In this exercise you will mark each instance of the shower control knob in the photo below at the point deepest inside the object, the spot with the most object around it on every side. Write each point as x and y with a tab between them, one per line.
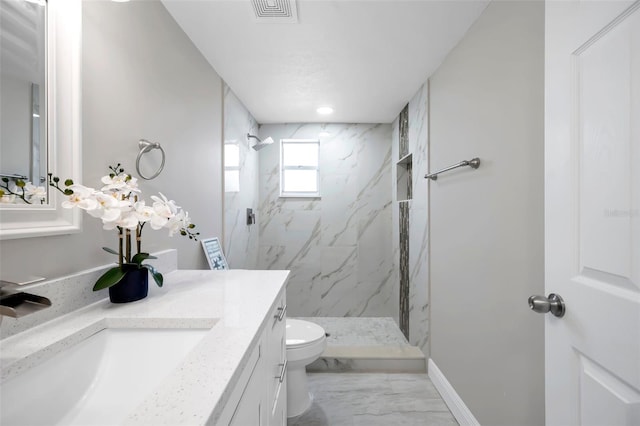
542	305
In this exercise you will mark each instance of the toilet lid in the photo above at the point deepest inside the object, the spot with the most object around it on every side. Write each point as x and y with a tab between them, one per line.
301	333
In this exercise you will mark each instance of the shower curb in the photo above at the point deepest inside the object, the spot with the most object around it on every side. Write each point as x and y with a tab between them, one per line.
370	359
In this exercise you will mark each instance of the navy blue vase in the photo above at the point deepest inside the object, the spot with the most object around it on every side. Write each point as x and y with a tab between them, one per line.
133	286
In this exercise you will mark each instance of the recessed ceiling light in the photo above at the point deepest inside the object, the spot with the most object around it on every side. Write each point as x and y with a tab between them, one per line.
120	1
324	110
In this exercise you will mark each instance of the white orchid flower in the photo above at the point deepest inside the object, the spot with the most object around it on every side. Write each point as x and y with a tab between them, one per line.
35	192
113	182
121	183
143	212
127	219
82	197
8	199
186	220
175	224
132	183
164	205
158	221
108	209
163	210
179	222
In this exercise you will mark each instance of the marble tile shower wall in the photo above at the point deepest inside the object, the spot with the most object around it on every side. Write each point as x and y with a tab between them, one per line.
418	221
338	247
240	239
418	217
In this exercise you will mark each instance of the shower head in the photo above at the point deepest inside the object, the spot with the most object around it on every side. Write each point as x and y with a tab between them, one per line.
261	143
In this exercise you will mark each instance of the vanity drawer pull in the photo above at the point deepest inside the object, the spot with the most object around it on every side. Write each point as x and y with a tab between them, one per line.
281	314
282	372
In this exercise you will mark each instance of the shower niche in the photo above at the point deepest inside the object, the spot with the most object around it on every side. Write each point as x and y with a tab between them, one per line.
404	178
404	165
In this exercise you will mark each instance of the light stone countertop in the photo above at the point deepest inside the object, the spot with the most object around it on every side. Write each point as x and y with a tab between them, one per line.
234	302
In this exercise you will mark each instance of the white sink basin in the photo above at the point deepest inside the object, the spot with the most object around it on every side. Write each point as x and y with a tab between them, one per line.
98	381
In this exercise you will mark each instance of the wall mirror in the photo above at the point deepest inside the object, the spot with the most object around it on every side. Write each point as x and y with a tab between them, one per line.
40	121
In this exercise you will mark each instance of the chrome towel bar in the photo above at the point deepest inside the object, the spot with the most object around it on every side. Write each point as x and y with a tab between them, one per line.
474	163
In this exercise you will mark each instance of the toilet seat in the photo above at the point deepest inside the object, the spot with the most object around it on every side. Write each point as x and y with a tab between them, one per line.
300	334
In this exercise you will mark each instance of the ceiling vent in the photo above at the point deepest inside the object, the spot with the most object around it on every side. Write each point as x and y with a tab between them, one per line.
275	11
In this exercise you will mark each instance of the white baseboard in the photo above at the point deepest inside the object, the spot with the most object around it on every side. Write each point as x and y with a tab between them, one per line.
457	406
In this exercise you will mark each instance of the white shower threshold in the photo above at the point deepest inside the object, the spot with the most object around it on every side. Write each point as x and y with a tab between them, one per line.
357	344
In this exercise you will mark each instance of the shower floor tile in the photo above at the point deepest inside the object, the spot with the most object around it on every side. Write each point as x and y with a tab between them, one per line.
342	399
355	331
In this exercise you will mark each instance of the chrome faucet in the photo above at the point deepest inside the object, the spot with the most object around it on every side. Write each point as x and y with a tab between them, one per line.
16	304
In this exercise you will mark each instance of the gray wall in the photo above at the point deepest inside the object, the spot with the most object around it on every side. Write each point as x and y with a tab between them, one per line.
486	226
142	78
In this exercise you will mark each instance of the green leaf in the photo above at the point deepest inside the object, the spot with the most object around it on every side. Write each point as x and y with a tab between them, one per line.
68	182
157	276
141	257
109	278
109	250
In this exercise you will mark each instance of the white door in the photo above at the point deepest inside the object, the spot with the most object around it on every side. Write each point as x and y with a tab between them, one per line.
592	211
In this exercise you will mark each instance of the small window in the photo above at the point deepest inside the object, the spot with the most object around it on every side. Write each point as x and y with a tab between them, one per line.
231	167
299	173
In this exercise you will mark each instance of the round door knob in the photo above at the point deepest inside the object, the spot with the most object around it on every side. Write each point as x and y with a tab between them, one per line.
542	305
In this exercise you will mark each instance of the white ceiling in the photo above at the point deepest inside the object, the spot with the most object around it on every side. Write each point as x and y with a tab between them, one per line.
365	58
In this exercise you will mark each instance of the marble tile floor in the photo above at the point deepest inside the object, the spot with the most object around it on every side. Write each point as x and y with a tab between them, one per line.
381	399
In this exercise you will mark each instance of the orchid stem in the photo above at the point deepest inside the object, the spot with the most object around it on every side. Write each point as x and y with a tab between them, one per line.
128	245
139	238
120	253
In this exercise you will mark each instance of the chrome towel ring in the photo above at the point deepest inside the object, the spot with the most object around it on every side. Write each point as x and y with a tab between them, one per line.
146	146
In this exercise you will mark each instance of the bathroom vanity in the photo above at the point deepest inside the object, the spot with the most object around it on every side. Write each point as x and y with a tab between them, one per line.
207	348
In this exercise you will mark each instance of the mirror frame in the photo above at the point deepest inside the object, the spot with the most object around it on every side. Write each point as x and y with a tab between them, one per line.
64	146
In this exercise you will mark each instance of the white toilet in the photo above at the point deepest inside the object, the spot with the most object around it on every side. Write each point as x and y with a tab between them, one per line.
305	343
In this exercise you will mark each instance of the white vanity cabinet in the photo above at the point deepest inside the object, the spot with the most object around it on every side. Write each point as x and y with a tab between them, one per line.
259	398
234	375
